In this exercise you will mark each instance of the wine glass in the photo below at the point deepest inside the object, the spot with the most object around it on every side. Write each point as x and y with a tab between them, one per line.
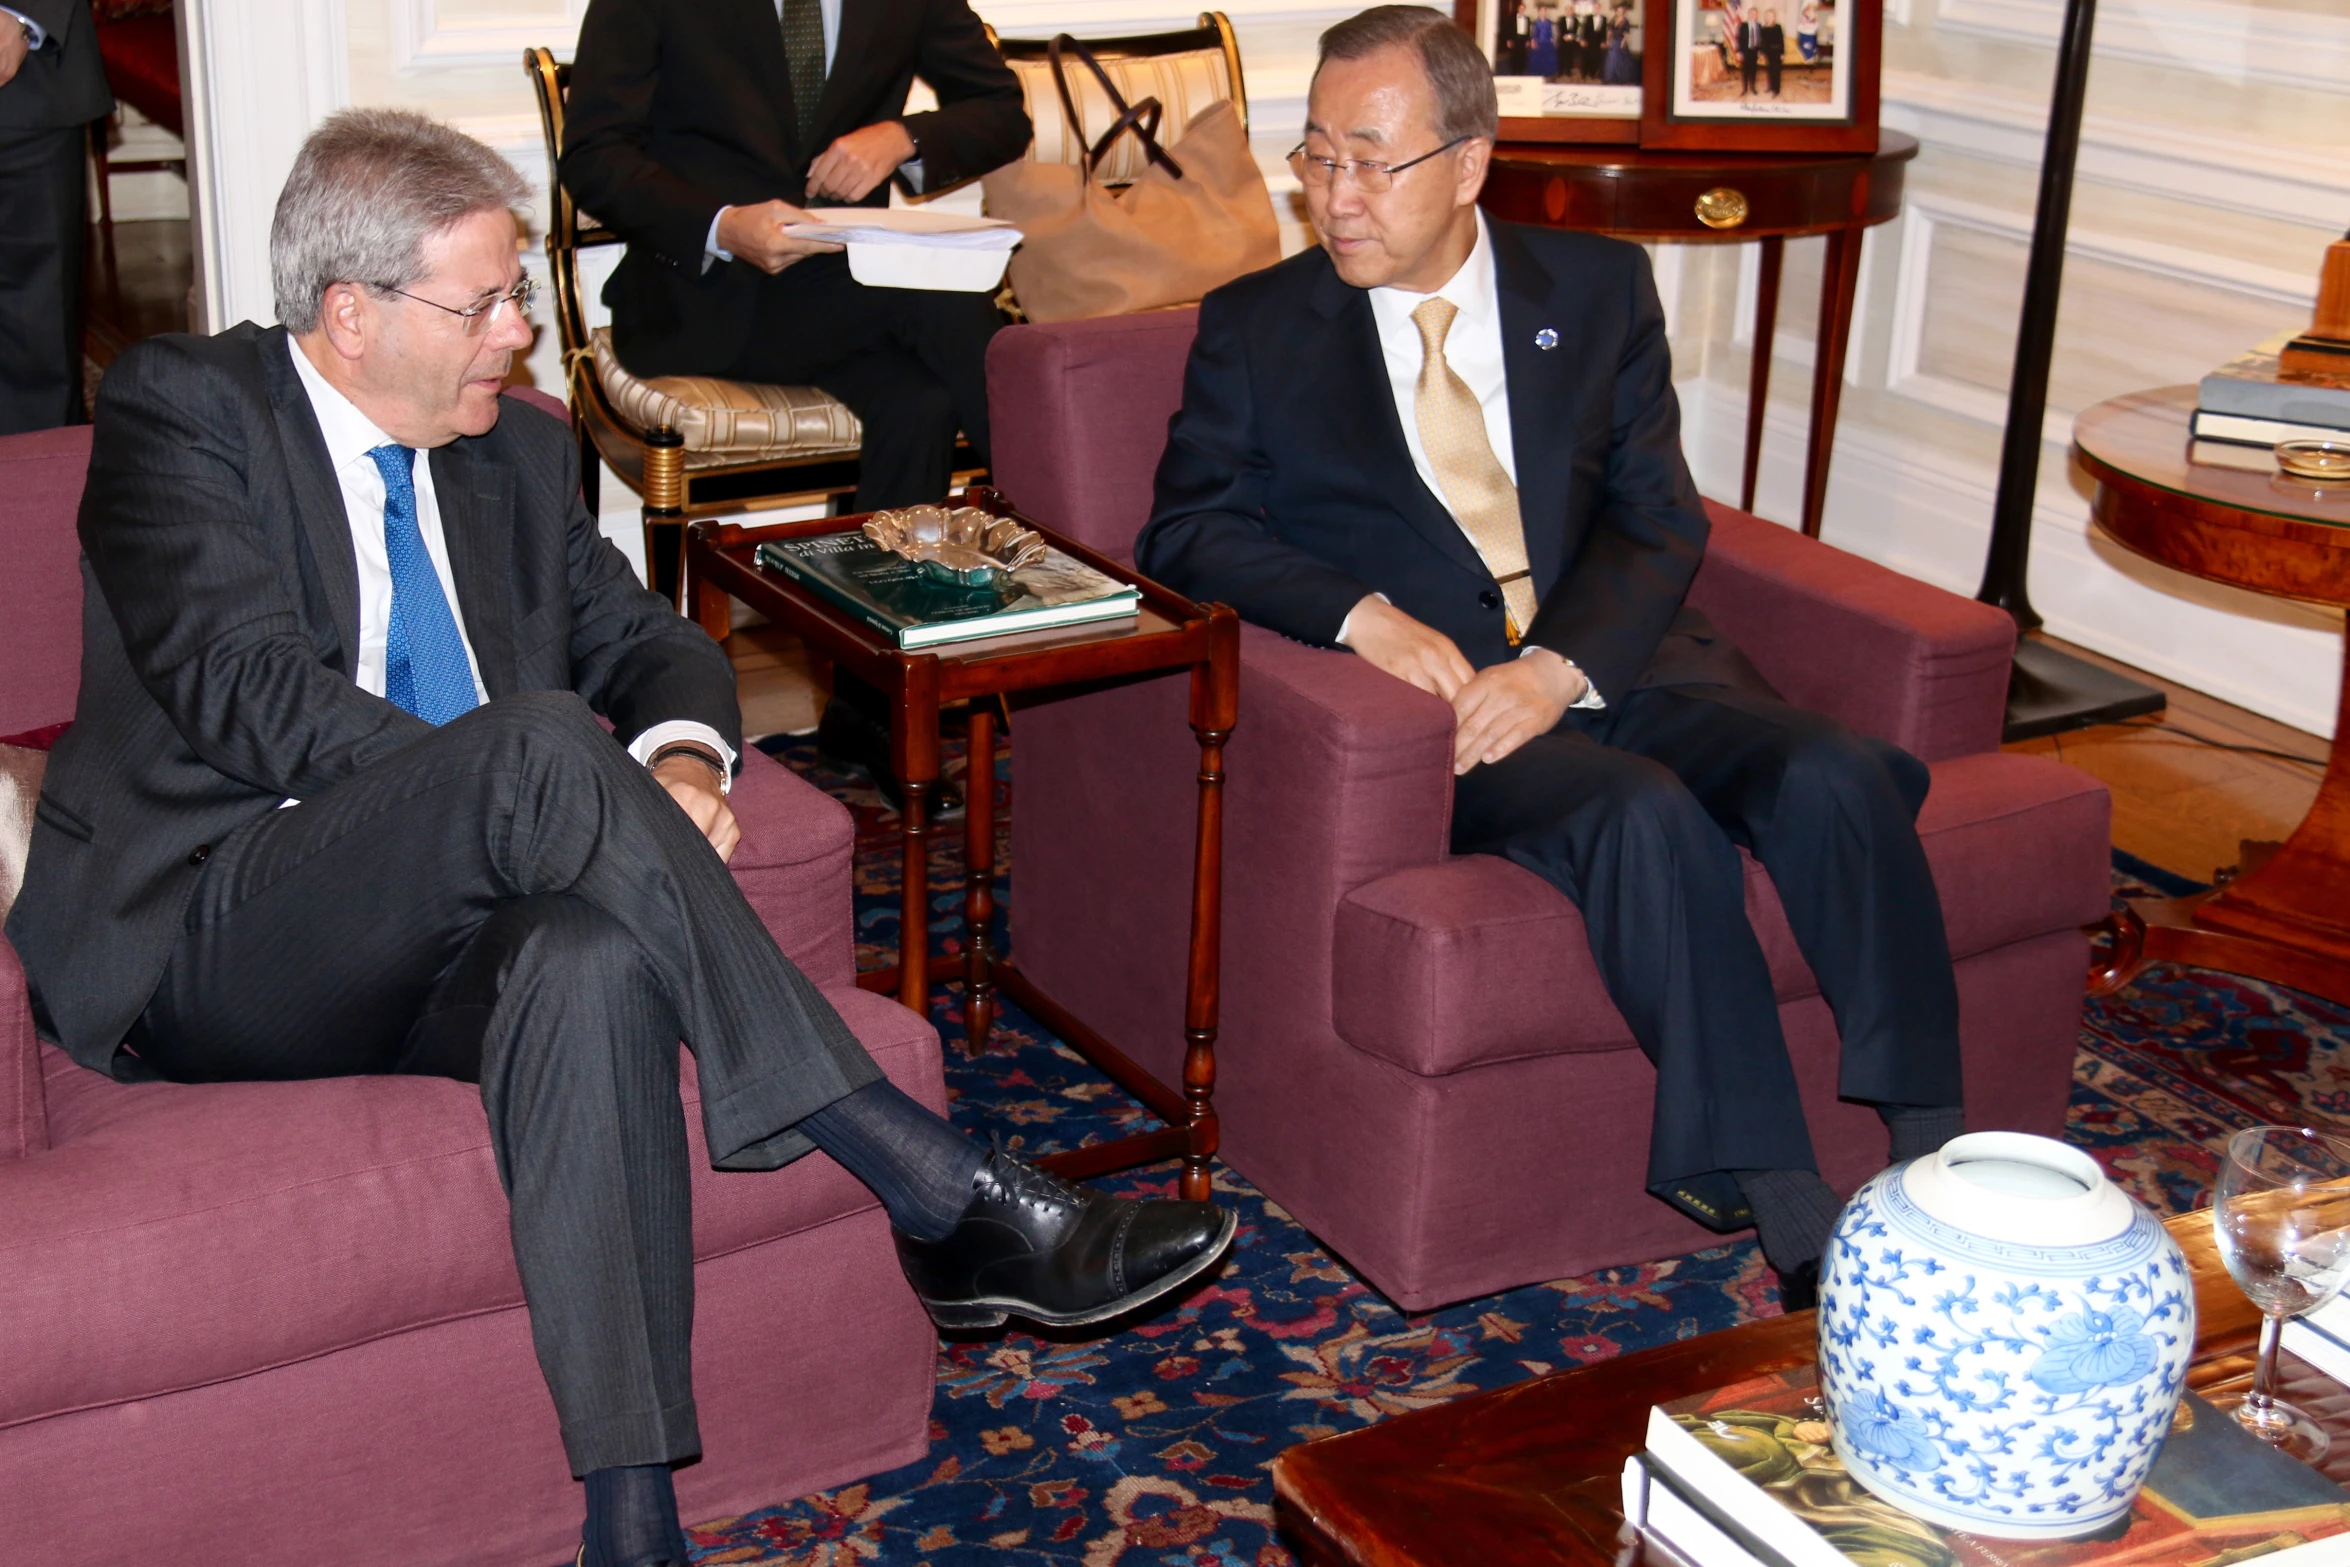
2281	1213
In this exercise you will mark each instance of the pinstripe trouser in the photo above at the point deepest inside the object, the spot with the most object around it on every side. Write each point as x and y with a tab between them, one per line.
514	901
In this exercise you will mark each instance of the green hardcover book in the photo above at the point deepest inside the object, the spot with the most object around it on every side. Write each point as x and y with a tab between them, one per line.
1754	1481
2253	386
897	596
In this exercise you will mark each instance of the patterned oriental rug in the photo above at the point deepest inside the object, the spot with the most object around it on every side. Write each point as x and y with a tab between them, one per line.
1150	1449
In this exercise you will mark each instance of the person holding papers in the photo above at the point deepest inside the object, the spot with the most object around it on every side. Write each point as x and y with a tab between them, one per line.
701	132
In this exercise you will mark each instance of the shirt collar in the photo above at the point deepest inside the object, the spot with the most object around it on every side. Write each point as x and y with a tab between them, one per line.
350	434
1470	289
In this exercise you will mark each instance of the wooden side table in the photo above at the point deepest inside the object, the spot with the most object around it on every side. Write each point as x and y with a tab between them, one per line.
1171	633
1529	1476
2286	915
1717	196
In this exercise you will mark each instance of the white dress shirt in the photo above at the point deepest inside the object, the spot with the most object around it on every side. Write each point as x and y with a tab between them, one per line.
911	168
1472	347
350	436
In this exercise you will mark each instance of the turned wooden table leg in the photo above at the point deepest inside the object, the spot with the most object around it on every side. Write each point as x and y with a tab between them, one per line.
1215	699
1758	374
979	881
914	752
1839	289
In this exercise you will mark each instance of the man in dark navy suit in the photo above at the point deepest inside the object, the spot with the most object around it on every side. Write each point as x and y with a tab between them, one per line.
1452	446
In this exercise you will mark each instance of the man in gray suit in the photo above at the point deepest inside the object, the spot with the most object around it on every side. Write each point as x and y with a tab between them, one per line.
51	88
336	801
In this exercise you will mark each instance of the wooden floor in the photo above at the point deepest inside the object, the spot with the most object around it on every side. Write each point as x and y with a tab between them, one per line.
2184	805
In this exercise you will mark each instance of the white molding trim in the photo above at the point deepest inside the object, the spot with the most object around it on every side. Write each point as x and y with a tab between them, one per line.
1913	296
2237	43
421	41
2260	175
1927	513
262	73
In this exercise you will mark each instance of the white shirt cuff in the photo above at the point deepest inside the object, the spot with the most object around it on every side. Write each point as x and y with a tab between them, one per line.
1348	623
670	731
911	172
40	34
711	254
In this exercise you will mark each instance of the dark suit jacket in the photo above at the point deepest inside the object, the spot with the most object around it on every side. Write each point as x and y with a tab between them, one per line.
1773	41
62	84
220	625
1287	491
681	107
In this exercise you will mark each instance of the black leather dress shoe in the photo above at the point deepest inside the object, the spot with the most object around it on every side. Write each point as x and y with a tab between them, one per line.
1032	1245
1799	1290
853	741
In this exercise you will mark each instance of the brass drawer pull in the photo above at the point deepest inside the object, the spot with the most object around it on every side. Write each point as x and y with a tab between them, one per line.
1721	208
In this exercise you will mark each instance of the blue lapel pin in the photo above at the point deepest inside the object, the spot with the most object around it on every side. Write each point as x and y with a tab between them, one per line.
1546	338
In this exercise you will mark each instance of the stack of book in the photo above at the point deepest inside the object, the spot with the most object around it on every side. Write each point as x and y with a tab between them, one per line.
902	600
2247	405
2323	1338
1744	1477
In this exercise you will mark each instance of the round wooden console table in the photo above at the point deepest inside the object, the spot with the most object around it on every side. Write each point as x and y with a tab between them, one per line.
2286	914
1737	196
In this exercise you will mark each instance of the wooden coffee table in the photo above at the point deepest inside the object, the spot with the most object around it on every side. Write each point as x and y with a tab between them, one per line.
1171	633
1532	1474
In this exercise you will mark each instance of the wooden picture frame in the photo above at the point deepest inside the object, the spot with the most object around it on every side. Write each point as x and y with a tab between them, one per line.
1673	117
1480	20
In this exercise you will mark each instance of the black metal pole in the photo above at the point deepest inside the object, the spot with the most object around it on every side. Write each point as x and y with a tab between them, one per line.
2006	566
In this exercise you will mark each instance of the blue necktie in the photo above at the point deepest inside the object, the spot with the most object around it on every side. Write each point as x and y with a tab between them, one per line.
425	667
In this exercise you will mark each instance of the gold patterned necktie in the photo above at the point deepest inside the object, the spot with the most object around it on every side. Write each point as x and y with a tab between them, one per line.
1476	487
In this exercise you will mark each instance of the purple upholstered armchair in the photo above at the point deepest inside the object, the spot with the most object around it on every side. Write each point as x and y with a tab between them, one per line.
1417	1057
279	1323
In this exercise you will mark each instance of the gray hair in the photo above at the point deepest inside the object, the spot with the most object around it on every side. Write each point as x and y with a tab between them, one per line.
369	188
1457	69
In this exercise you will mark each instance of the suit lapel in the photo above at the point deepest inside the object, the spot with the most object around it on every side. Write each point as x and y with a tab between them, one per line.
856	46
1541	382
1359	364
318	497
477	518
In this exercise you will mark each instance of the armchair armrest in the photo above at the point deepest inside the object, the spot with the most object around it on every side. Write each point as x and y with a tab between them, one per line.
794	865
1336	775
1881	652
24	1117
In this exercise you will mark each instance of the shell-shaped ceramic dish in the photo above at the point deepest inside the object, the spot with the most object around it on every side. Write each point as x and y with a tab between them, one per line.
959	544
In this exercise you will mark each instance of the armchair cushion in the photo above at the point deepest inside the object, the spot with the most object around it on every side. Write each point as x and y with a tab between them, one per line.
1474	960
725	422
269	1223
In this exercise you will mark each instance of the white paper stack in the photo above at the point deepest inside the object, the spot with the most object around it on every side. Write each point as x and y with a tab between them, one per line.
2323	1338
898	247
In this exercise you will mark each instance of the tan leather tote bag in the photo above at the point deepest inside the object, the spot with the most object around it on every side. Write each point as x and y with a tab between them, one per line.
1197	217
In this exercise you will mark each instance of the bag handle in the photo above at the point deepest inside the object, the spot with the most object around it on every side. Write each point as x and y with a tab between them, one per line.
1141	118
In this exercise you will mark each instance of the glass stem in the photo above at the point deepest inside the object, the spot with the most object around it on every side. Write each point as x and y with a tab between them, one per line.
2262	1400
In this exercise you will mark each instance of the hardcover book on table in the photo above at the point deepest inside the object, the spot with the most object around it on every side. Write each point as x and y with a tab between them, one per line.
2253	386
1747	1475
900	598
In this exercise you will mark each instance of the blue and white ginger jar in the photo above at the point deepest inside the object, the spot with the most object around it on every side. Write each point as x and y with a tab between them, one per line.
2003	1337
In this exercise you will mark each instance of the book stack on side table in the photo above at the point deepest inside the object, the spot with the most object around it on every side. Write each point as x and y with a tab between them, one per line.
2323	1338
901	599
2247	405
1744	1477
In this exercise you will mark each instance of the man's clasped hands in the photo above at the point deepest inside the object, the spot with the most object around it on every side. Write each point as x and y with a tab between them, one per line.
1495	710
846	171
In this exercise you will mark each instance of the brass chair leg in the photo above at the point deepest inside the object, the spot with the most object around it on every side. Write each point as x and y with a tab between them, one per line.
664	513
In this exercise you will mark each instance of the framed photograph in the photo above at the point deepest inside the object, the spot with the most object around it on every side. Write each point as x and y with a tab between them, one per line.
1565	70
1764	75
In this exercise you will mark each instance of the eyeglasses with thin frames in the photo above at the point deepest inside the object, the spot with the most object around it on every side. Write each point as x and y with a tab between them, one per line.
477	317
1371	178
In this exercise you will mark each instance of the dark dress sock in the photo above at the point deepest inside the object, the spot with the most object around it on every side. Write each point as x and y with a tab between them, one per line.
915	1162
1794	1213
1918	1130
632	1518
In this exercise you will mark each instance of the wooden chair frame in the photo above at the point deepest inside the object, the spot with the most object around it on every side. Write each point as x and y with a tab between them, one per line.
1214	31
652	463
